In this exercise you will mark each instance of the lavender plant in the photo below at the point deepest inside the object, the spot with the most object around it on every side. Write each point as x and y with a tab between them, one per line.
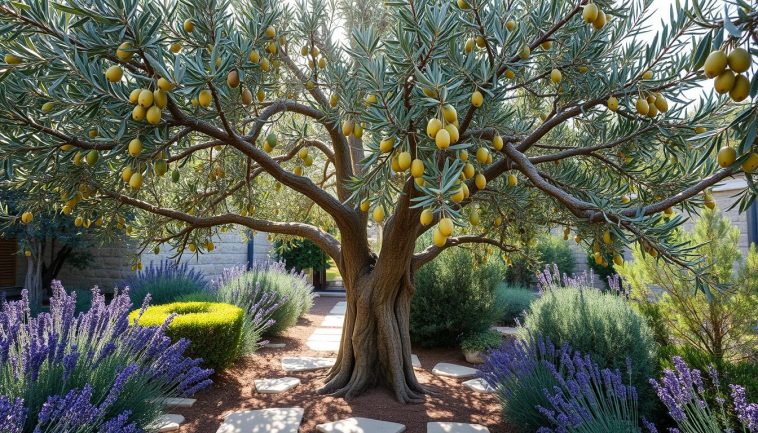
258	304
683	391
91	372
589	400
165	283
520	372
273	297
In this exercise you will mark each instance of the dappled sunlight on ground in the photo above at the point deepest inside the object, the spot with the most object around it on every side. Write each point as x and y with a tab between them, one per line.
234	390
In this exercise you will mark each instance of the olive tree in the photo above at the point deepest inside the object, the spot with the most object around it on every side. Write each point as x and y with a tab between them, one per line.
481	121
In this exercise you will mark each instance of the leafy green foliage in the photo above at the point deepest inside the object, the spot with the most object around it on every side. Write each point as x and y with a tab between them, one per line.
453	279
601	324
413	68
289	290
214	329
300	254
548	250
721	323
513	301
482	341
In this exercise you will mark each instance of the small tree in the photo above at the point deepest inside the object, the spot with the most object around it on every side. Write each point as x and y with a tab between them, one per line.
446	117
721	322
47	241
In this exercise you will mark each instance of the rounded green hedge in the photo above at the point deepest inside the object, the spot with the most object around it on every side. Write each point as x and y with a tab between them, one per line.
214	329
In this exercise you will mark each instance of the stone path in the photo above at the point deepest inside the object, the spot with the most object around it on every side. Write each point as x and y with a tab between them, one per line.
273	420
455	427
179	402
327	337
453	370
360	425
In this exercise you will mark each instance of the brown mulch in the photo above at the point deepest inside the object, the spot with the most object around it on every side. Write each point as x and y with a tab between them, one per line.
234	390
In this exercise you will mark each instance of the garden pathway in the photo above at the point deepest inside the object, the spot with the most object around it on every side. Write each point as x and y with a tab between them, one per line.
234	397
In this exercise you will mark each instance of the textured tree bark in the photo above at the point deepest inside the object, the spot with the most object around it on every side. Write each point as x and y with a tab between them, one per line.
376	345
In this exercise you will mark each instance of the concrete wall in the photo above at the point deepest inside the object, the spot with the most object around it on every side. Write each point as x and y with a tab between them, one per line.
112	263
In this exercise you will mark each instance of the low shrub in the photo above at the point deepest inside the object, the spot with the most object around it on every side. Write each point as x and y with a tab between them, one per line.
482	342
520	372
454	297
601	324
513	301
551	390
272	297
214	329
91	372
164	283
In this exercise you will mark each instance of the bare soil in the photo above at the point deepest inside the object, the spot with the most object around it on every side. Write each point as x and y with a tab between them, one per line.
234	390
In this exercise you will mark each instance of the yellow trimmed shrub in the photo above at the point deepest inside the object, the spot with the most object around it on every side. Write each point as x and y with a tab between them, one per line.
213	329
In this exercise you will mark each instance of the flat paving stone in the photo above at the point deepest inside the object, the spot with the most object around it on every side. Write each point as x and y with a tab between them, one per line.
168	422
325	337
338	309
306	363
272	420
478	385
455	427
179	402
323	346
415	362
454	370
333	321
276	385
327	331
360	425
509	331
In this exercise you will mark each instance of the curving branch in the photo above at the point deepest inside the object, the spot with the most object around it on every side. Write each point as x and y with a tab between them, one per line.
328	243
432	251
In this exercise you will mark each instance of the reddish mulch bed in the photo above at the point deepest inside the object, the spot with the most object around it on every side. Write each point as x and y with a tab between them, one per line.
234	390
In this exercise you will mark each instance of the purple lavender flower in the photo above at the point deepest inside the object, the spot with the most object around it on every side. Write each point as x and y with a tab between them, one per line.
746	412
97	362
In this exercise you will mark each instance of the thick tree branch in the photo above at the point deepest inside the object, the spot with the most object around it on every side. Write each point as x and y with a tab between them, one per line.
329	244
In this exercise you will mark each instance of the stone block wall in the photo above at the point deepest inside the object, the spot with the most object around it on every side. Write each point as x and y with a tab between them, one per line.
112	263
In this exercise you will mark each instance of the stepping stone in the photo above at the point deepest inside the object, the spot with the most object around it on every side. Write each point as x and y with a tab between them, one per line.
333	321
275	345
478	385
453	370
179	402
326	337
415	362
338	309
273	420
507	331
323	346
360	425
167	423
277	385
455	427
306	363
327	331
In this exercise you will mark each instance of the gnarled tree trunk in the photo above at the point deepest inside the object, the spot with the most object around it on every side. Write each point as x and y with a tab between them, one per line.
376	345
